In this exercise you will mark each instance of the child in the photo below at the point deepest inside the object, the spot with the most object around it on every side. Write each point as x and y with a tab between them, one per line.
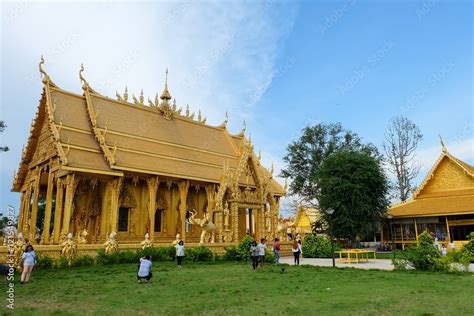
144	269
444	250
262	247
276	250
254	254
29	260
180	252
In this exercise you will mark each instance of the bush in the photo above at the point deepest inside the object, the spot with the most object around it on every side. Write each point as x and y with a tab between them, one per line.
43	262
241	252
83	261
199	254
423	256
317	247
62	262
468	249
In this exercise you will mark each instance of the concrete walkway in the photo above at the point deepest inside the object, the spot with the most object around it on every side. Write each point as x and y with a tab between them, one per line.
380	264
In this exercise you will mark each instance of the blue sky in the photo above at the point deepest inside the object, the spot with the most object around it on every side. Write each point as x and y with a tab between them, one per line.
279	65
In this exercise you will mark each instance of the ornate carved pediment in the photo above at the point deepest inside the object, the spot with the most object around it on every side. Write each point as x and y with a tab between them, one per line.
161	202
126	198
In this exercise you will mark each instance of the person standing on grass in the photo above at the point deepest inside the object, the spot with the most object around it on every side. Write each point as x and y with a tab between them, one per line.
144	269
180	253
276	250
300	246
29	261
295	248
262	248
444	250
254	254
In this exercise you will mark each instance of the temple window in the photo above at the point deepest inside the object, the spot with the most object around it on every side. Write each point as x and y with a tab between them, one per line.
123	219
158	217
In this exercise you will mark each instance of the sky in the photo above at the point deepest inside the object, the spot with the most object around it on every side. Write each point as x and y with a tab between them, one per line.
279	65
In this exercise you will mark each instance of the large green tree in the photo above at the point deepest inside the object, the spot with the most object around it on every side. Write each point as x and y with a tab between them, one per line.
354	185
306	155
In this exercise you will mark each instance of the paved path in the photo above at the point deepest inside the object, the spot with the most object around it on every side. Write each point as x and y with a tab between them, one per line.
381	264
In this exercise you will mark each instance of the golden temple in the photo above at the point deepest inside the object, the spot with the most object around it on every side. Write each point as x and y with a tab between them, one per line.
443	205
121	166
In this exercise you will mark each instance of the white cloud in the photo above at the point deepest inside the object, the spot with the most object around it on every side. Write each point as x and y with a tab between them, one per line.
217	54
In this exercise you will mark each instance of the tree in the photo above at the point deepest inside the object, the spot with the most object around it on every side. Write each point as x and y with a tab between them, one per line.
355	186
2	128
306	155
401	141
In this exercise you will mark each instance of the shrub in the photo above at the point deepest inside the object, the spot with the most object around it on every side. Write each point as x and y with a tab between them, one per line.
199	254
468	249
43	262
83	261
317	247
424	255
239	252
62	262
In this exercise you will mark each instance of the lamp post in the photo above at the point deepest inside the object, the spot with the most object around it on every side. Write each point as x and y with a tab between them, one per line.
390	217
330	211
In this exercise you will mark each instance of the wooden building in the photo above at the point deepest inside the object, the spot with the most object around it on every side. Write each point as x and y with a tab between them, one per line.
102	165
443	205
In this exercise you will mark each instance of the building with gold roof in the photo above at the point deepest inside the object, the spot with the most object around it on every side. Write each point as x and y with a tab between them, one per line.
107	165
305	219
443	205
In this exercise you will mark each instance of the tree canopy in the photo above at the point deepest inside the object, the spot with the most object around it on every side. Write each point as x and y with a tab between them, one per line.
306	155
355	186
2	128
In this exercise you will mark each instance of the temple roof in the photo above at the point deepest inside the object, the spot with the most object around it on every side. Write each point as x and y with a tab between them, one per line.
98	134
448	189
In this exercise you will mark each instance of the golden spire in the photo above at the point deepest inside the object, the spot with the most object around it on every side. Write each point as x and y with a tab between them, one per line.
442	144
166	94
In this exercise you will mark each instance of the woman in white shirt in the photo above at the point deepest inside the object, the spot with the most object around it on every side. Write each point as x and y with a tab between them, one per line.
180	252
29	260
296	249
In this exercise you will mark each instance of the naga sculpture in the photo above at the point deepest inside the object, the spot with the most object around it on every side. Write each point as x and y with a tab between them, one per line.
205	223
111	245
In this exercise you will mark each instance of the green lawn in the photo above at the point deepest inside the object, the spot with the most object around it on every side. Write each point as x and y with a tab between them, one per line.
234	289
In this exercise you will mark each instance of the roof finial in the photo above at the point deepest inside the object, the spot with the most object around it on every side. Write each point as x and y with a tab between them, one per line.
245	126
166	94
442	144
42	72
81	76
286	185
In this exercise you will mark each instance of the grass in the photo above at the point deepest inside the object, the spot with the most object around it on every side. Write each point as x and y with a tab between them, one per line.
223	288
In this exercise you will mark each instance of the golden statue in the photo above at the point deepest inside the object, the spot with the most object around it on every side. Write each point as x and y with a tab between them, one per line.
111	245
177	240
147	243
226	216
205	223
18	248
81	238
69	249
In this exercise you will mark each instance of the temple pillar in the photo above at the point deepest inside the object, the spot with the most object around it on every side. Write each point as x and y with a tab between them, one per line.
71	184
416	228
183	194
49	206
152	185
58	210
22	210
116	186
234	211
26	210
448	239
34	209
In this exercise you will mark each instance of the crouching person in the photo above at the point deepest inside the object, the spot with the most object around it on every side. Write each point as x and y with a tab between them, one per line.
144	269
